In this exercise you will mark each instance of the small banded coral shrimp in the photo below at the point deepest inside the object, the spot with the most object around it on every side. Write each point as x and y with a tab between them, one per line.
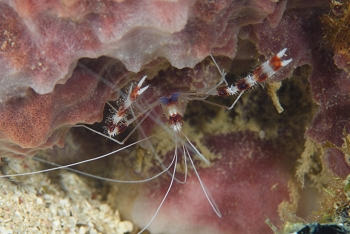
118	122
260	75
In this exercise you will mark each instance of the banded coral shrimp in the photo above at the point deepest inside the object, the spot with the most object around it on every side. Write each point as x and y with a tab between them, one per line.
173	106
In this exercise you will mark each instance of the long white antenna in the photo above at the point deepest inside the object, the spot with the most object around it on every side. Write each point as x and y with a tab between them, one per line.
196	150
77	163
104	178
165	196
206	192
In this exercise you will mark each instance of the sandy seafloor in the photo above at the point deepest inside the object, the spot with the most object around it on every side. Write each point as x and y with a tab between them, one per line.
37	205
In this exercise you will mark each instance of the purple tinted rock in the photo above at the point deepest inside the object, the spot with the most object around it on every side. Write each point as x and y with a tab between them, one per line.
248	184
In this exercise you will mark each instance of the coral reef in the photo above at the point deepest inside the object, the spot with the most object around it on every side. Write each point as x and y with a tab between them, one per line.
61	61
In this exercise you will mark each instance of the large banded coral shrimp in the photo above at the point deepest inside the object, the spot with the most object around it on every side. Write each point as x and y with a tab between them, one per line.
130	111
